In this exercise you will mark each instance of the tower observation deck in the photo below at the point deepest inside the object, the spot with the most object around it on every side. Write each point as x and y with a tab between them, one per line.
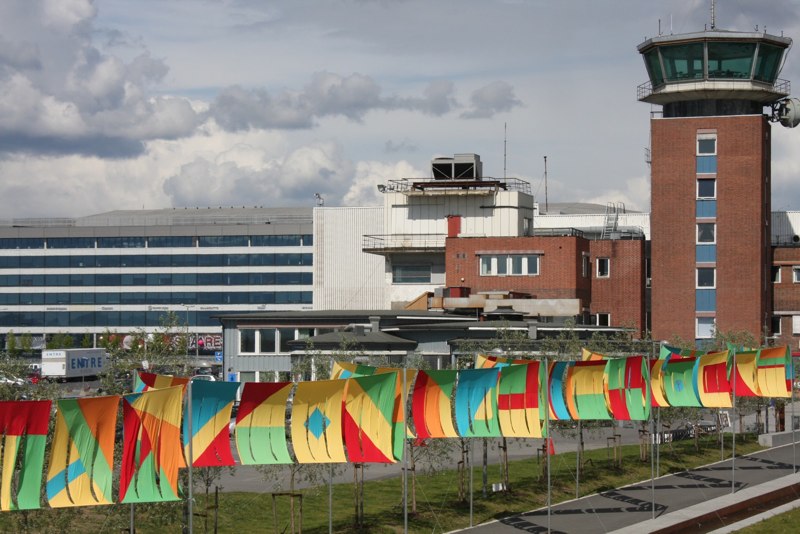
715	72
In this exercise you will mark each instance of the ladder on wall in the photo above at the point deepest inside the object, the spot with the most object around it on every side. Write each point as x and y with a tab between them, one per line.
613	209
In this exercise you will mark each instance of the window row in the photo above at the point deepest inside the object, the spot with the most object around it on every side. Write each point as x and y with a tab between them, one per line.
174	298
270	340
158	241
156	279
510	265
776	274
102	319
156	260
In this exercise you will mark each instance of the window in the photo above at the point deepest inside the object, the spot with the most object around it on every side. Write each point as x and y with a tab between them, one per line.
796	274
603	319
585	267
704	327
775	325
706	144
603	267
247	341
706	188
795	324
776	274
411	274
510	264
706	277
706	232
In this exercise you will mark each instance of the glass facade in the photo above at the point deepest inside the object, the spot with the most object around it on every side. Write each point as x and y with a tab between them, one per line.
87	284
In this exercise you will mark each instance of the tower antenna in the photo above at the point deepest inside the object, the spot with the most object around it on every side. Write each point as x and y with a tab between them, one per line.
546	208
505	147
713	15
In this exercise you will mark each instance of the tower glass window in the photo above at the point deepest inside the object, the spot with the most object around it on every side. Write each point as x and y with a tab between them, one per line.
706	145
767	63
683	62
704	327
730	59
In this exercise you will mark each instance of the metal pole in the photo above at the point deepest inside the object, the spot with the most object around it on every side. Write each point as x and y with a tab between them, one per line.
405	448
471	450
578	464
652	437
547	436
794	442
733	427
191	453
330	499
132	528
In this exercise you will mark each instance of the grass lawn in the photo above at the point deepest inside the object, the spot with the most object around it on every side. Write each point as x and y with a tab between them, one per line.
785	523
439	508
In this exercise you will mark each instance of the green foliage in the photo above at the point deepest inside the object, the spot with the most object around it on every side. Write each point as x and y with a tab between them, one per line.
60	341
11	345
162	352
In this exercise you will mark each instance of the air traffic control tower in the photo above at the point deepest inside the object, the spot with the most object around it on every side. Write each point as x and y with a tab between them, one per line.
710	178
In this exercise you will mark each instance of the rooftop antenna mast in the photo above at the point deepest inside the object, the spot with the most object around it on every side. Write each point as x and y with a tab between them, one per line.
546	208
713	15
505	147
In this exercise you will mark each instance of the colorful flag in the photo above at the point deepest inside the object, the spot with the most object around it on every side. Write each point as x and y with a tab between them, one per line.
746	375
774	367
589	356
476	403
350	370
627	389
24	427
585	396
680	382
152	452
431	404
714	386
212	403
484	361
82	452
341	370
317	422
148	381
261	423
367	418
520	406
558	408
658	398
667	351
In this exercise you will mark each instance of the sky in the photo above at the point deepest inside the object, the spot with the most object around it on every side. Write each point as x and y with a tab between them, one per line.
131	104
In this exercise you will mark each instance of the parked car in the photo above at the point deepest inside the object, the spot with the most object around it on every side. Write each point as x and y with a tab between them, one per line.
209	378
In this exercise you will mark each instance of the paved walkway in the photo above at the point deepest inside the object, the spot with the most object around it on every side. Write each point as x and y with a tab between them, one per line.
694	496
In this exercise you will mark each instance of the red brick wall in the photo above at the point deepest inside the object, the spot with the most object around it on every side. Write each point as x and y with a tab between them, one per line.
560	272
742	211
622	294
786	293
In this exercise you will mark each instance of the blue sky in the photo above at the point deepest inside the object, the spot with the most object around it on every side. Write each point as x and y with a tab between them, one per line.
124	104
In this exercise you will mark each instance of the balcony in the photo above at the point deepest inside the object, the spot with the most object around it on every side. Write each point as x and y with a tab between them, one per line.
393	243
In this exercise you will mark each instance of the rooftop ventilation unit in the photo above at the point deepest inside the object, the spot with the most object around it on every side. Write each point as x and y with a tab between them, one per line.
459	167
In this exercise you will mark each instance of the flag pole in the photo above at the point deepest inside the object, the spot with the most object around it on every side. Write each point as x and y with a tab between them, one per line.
733	426
330	498
547	436
405	446
649	393
191	453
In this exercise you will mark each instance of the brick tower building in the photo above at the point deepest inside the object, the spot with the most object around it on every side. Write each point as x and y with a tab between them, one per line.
710	179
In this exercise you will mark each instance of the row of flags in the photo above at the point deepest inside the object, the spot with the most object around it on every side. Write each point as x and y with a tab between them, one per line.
358	416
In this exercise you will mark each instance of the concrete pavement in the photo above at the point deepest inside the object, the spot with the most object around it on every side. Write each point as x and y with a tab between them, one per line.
693	500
